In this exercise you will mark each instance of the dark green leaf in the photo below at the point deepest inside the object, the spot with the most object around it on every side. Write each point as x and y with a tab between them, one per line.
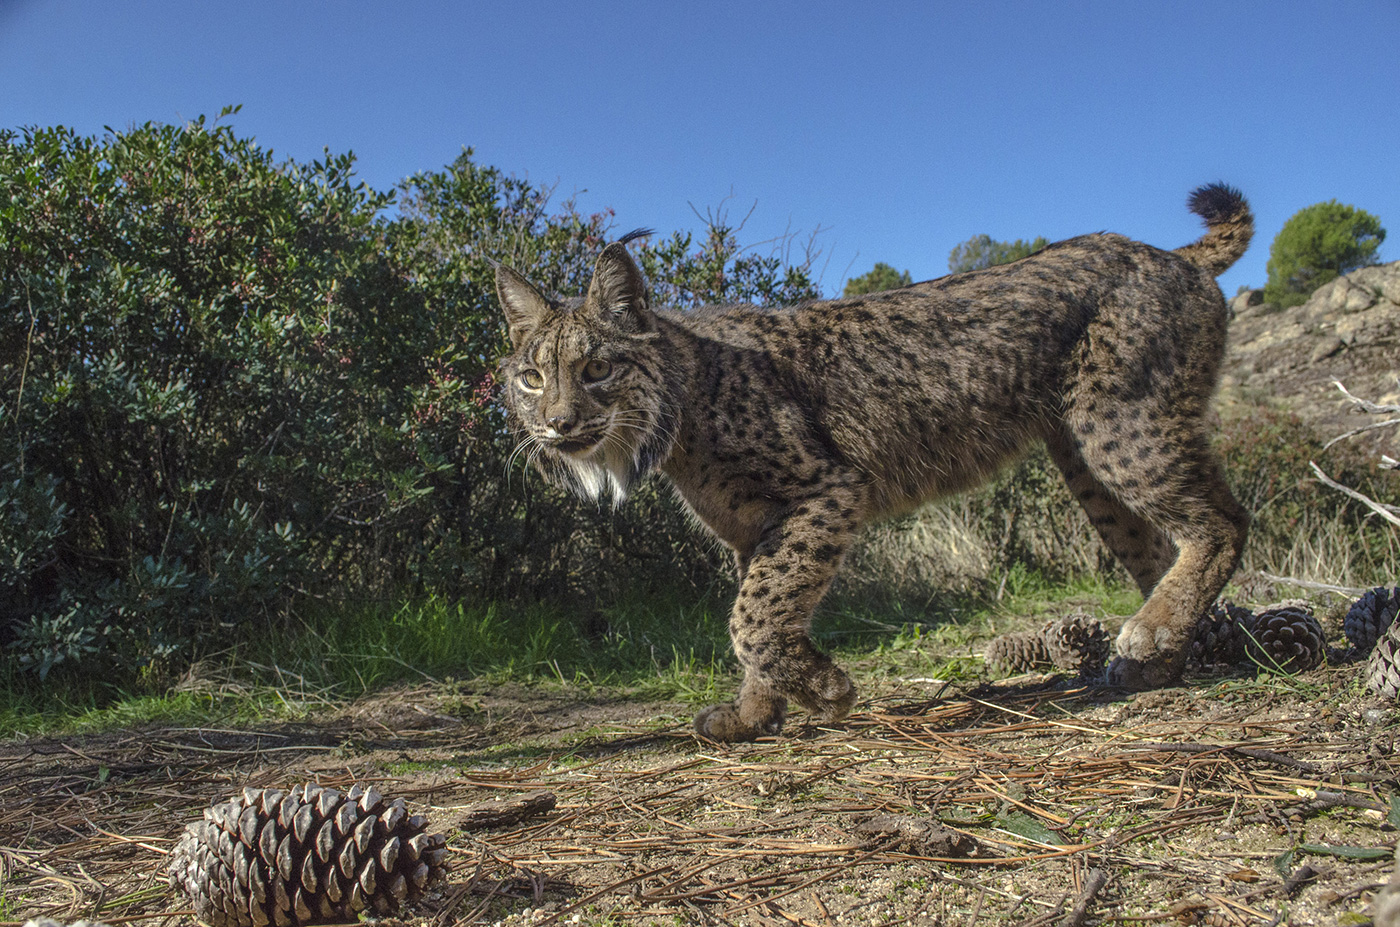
1323	849
1023	825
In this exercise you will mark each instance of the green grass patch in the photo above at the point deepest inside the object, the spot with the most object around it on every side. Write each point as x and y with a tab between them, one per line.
1030	592
652	645
81	706
664	645
647	638
410	767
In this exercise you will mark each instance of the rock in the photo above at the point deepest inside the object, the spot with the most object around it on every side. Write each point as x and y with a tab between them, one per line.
1387	904
1326	349
1244	302
1347	331
1387	909
919	836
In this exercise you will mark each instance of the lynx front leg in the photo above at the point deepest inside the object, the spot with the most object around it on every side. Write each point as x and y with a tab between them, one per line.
788	573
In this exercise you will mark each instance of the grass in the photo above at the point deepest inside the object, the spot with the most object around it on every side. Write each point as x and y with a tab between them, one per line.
642	640
84	705
918	595
663	645
1327	547
658	646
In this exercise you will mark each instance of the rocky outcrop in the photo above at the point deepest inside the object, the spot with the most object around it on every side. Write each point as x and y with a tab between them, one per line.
1349	330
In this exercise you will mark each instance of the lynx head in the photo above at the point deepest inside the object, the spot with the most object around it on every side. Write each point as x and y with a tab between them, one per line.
583	383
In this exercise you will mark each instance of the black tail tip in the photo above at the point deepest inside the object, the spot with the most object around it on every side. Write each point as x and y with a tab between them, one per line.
1216	202
634	235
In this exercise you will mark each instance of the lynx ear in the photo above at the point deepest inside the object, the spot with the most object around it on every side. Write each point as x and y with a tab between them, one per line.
618	293
522	304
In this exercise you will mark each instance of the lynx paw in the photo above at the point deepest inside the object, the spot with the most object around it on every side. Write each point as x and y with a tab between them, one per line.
1149	656
829	695
727	723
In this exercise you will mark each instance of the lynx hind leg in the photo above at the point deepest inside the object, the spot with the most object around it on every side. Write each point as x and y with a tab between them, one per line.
786	577
1159	471
1152	645
1144	549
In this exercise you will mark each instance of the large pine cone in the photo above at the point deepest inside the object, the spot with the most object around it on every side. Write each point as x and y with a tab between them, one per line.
1221	634
1077	642
1286	638
1383	666
304	856
1018	652
1370	617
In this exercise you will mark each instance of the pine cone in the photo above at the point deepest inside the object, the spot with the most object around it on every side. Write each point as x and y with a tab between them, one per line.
1221	634
305	856
1383	666
1286	638
1077	642
1018	652
1370	617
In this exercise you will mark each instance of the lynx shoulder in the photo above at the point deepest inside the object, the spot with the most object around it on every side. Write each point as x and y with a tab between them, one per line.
785	430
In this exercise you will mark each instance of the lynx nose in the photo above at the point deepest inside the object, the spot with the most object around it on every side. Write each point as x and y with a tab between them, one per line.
562	423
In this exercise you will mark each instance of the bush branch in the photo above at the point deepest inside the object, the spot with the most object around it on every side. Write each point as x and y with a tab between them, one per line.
1390	513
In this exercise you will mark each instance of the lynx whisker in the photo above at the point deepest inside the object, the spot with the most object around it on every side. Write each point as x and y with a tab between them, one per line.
530	446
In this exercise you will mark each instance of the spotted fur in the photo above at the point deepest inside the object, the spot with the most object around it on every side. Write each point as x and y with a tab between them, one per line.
786	430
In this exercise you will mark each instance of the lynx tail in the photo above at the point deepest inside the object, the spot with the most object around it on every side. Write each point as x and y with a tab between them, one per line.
1229	224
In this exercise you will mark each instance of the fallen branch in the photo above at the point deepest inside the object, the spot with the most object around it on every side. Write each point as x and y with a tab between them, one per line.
1320	800
1309	584
1254	753
1390	513
1077	915
501	813
1365	405
916	836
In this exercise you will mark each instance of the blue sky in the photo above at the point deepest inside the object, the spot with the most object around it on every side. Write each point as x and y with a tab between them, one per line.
900	129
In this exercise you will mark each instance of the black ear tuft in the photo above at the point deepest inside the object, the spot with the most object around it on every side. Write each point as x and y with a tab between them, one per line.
618	294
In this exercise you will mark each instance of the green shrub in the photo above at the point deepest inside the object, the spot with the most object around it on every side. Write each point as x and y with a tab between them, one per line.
229	384
153	293
219	390
982	251
879	278
1316	245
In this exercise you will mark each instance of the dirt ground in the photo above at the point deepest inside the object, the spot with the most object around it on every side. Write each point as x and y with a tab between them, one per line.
1226	801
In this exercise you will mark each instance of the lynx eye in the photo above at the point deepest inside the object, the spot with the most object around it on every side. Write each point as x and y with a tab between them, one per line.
597	369
532	379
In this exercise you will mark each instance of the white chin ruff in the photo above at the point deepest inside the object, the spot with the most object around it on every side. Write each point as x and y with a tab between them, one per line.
614	466
609	471
594	480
